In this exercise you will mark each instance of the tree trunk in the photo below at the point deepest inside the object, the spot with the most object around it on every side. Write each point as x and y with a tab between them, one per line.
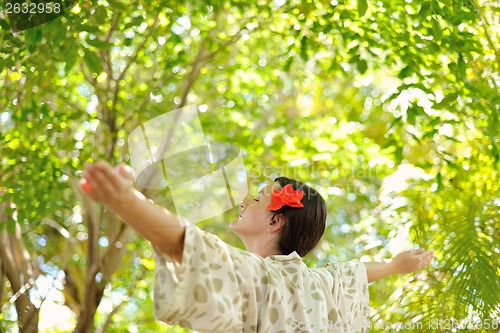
16	264
85	323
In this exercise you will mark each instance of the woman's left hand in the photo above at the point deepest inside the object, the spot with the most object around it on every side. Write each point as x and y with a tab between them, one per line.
411	261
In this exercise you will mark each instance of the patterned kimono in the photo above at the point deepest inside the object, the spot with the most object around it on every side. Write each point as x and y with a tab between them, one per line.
220	288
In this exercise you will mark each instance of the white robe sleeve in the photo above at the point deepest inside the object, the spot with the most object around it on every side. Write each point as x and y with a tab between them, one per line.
350	293
202	292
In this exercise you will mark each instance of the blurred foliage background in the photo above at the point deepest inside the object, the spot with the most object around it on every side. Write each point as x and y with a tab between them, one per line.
390	107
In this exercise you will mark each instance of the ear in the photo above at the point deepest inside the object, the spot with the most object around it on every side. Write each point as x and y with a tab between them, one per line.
276	223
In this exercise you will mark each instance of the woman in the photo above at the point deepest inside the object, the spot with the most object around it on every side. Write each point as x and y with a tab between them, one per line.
205	284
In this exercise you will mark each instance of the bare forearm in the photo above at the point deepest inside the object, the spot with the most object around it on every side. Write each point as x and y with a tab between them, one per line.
404	263
156	224
378	270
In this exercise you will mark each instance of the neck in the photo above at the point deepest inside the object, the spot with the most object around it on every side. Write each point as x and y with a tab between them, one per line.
263	248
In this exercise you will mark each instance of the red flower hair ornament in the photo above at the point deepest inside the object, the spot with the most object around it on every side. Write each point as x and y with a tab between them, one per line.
287	196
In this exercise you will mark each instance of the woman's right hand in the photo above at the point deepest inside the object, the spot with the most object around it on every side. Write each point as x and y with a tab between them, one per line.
107	185
113	188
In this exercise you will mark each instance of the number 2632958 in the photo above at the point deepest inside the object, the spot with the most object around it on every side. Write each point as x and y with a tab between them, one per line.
33	8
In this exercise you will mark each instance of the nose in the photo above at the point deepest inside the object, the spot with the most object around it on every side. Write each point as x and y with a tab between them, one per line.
243	204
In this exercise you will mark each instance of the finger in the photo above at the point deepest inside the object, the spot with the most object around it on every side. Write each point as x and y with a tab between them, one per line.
425	258
100	181
85	185
92	183
90	186
88	176
121	176
125	171
107	174
419	251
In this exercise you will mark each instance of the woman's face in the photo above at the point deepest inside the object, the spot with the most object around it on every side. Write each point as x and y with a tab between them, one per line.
255	216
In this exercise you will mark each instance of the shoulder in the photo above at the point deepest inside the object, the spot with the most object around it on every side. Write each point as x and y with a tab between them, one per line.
211	248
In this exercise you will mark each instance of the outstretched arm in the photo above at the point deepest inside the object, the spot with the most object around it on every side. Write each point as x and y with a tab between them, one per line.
113	188
404	263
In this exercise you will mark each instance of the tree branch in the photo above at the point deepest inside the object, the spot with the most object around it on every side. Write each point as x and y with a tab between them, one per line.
109	318
201	58
486	25
139	48
67	101
117	16
18	269
112	257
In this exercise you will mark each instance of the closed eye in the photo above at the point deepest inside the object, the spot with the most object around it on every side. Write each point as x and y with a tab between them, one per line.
255	199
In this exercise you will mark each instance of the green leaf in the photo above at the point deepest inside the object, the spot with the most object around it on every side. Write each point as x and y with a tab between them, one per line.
439	179
425	9
430	135
362	66
99	44
411	116
436	28
88	28
493	123
288	64
495	152
362	7
434	122
405	72
354	49
4	25
462	65
59	34
393	126
118	5
435	6
33	36
70	54
303	48
100	15
93	61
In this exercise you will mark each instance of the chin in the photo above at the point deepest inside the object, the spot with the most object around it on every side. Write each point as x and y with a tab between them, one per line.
233	226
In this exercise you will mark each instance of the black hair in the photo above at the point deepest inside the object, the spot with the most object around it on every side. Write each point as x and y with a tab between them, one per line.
303	227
